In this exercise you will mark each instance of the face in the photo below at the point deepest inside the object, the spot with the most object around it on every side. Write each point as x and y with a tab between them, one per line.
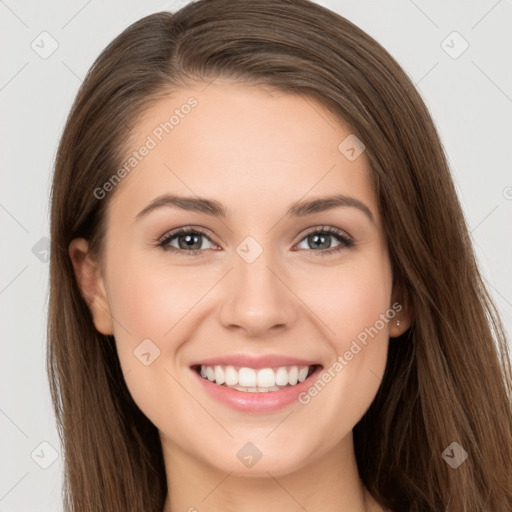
263	286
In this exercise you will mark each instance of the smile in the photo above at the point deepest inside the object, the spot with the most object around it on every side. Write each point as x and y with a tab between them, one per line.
254	380
255	390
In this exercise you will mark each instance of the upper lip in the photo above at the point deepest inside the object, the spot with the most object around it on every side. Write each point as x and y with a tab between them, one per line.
253	361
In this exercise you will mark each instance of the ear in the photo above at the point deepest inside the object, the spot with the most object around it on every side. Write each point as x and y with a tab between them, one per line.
91	285
403	313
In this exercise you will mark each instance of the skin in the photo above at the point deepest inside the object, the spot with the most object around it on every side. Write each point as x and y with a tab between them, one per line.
256	151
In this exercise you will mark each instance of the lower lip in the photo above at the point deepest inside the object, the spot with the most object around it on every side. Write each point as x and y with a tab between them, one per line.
248	401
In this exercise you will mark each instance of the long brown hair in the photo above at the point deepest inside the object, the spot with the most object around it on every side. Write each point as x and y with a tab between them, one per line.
448	377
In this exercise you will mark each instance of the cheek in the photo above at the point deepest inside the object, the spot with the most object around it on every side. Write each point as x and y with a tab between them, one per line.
149	300
351	299
161	303
352	304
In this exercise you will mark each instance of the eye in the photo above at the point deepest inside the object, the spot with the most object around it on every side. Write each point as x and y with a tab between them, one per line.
190	240
187	240
321	238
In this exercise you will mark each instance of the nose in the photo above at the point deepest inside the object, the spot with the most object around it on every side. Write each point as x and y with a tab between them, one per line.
257	299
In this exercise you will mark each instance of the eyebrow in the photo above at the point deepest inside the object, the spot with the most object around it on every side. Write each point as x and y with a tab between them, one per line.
217	209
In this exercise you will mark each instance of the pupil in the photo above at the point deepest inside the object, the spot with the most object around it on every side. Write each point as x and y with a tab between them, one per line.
317	238
190	240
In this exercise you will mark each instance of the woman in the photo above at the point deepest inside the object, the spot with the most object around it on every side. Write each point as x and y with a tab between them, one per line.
263	291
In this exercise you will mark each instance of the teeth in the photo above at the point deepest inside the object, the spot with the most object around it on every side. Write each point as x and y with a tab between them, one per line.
231	376
282	377
259	390
293	375
252	380
247	377
210	373
266	378
303	373
219	375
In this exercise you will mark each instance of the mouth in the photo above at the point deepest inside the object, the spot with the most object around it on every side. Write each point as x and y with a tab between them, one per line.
256	380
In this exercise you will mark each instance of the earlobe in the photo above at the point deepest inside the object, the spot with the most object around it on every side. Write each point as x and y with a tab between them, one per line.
403	314
91	285
399	325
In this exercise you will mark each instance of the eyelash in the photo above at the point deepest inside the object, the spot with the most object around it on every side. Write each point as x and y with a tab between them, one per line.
345	241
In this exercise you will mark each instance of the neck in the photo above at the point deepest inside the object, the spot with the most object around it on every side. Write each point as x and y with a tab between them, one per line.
330	482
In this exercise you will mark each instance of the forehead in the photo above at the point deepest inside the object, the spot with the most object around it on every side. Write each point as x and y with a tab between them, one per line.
251	146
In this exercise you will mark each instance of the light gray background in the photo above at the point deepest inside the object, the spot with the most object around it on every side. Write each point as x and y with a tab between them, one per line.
470	98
